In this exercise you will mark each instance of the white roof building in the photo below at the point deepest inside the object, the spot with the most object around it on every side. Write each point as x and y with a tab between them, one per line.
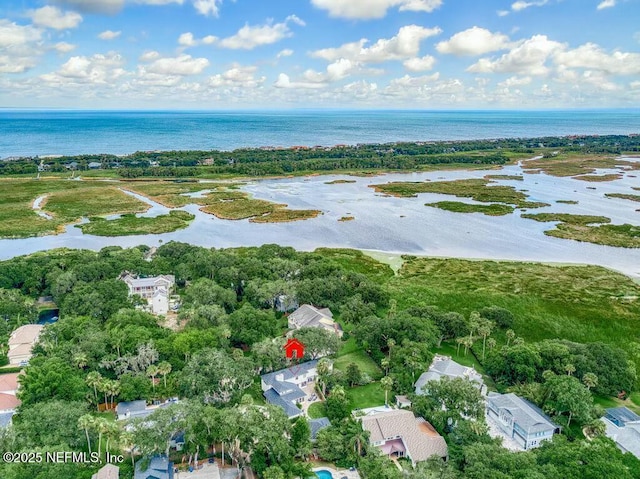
443	366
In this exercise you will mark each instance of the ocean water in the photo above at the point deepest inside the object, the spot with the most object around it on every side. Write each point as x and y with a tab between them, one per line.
59	132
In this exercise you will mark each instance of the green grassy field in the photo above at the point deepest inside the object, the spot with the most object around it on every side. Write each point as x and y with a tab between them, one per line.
66	201
504	177
574	163
599	178
370	395
317	410
362	360
132	225
579	303
494	209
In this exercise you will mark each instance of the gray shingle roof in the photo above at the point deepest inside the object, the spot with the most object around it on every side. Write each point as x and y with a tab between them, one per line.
449	368
307	316
317	425
528	416
274	398
5	418
289	373
627	437
622	415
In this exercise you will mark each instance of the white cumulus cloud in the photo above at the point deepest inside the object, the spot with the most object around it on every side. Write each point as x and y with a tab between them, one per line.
64	47
109	35
181	65
252	36
53	17
406	44
368	9
522	5
529	57
606	4
473	41
420	64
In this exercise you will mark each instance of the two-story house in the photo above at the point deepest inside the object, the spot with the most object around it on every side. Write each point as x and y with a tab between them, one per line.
284	388
398	433
156	290
519	421
623	428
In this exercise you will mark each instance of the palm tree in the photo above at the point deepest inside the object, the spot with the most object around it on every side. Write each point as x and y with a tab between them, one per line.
323	370
112	431
93	380
103	386
152	372
102	426
491	342
474	322
468	342
570	369
595	428
459	342
113	388
86	422
385	365
164	368
80	359
484	330
590	380
390	344
386	383
511	335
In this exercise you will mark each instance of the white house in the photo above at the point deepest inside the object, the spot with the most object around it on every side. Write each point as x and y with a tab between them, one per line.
21	342
283	388
307	316
518	420
443	366
623	428
156	290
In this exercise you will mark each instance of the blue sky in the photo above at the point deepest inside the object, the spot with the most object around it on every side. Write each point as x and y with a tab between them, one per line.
237	54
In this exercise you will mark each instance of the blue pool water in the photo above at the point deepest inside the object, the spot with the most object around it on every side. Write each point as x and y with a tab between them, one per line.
323	474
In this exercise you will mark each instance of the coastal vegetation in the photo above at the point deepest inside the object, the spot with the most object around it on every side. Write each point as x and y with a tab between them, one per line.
599	178
103	351
567	202
130	224
576	162
623	196
339	182
563	154
346	218
590	229
67	202
505	177
494	209
477	189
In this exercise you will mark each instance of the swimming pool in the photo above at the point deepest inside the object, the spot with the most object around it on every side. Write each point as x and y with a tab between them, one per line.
324	474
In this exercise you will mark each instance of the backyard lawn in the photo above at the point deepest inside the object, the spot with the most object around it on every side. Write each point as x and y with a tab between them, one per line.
362	359
370	395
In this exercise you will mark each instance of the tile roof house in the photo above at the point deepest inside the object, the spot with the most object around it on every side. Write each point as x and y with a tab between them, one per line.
307	316
518	420
444	366
21	342
283	388
8	400
109	471
623	427
399	433
159	468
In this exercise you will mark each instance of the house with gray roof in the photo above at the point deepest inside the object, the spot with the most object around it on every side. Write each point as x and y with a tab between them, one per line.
318	425
519	421
444	366
307	316
134	409
623	428
284	388
398	433
159	467
156	290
